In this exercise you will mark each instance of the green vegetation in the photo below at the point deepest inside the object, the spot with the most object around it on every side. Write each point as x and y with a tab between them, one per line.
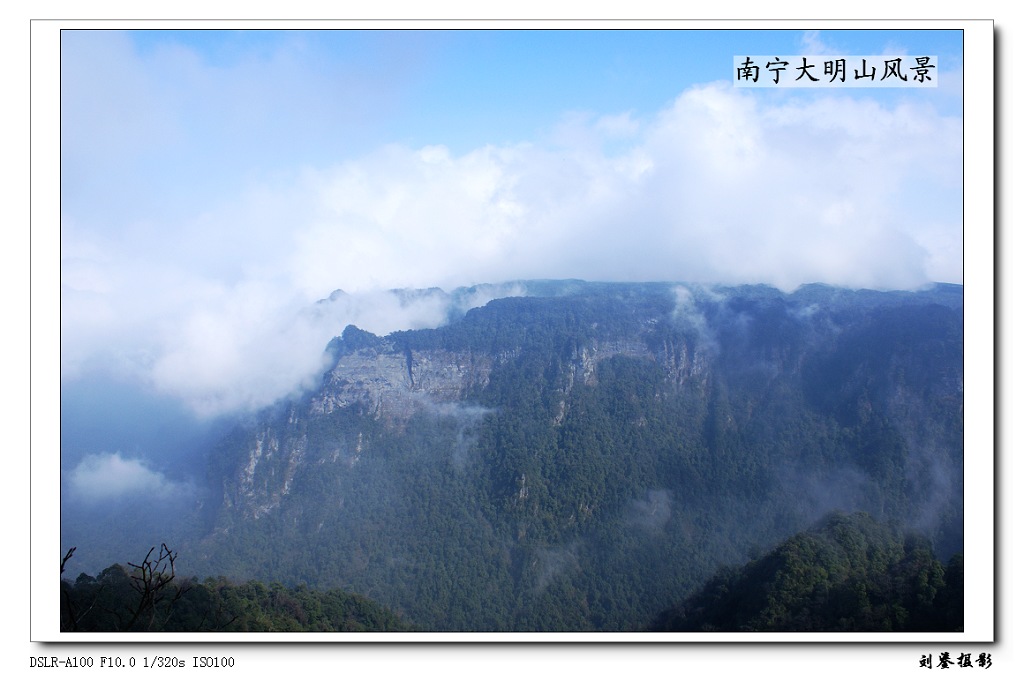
629	442
149	597
850	573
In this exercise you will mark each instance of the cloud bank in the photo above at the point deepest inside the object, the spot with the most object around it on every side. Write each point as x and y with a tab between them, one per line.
212	301
110	477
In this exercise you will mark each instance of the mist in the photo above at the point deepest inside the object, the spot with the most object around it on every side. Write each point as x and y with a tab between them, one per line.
110	476
683	202
201	237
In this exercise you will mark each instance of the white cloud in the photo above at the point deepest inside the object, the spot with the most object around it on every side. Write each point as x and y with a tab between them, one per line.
618	126
211	300
651	514
252	346
811	43
108	477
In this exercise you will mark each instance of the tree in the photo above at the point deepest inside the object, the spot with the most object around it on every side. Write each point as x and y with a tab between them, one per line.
119	600
152	582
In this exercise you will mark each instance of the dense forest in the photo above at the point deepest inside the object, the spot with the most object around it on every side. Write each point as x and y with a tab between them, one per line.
850	573
148	596
584	456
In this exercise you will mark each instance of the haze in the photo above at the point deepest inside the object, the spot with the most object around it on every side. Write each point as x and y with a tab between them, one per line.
216	185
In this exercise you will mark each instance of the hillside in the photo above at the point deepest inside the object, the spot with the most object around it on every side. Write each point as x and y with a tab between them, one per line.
585	455
849	573
148	596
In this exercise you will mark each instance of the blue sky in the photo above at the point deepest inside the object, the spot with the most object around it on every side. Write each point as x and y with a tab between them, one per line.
508	86
262	100
214	184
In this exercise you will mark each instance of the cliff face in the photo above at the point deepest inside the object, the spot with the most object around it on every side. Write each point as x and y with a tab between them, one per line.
388	381
391	383
589	442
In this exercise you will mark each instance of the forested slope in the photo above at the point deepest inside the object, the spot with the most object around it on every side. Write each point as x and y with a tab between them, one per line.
850	573
148	596
580	458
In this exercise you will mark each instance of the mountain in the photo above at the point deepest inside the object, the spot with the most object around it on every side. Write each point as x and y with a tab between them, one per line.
849	573
584	455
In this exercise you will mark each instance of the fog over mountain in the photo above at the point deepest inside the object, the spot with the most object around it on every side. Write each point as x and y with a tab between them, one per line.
582	457
712	184
232	203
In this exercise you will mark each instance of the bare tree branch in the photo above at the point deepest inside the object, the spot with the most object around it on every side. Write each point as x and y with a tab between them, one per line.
66	558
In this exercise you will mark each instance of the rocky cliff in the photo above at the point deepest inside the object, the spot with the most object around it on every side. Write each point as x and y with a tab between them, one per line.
610	443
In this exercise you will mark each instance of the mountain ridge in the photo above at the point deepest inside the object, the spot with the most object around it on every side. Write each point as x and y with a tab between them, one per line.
553	452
